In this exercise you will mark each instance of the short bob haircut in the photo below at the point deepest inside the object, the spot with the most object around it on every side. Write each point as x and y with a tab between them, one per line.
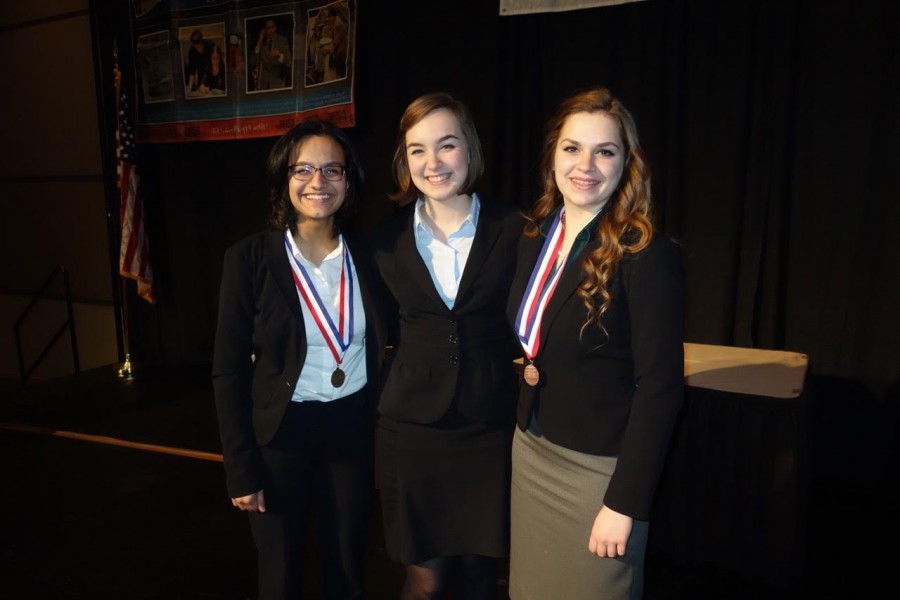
418	109
283	154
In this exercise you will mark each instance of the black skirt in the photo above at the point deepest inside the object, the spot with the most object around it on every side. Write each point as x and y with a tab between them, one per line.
444	490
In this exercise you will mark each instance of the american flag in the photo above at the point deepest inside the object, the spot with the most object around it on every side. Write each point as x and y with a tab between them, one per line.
134	251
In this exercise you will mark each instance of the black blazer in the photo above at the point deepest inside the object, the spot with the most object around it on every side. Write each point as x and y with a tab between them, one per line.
260	314
616	393
443	356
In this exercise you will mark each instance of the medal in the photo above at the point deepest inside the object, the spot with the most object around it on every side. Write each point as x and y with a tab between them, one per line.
541	284
336	337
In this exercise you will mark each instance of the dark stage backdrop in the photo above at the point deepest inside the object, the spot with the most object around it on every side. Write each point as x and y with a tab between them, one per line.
771	127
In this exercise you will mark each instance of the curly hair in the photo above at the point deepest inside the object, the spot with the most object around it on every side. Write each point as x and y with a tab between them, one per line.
625	226
417	110
282	214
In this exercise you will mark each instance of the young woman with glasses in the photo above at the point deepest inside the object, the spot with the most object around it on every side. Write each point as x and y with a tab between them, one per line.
296	361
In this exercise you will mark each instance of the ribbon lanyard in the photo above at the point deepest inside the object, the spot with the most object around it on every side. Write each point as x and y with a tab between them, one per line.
336	337
539	291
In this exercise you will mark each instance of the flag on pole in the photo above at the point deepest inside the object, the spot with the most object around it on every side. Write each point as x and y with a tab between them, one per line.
134	251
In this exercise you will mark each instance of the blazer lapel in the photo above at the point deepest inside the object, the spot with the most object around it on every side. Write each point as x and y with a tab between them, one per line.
278	264
566	287
408	255
366	275
528	252
486	234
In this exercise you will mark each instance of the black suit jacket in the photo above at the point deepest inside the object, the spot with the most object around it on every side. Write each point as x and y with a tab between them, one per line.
260	314
613	393
443	356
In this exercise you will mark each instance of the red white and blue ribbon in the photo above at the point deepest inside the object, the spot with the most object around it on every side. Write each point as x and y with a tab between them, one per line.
338	338
539	290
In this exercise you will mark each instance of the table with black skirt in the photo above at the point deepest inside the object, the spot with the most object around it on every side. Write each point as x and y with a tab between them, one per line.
737	475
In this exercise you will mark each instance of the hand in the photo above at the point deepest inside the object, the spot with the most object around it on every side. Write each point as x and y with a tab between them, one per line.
610	533
255	502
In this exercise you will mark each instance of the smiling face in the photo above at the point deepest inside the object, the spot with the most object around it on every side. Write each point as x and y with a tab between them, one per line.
437	155
318	199
589	160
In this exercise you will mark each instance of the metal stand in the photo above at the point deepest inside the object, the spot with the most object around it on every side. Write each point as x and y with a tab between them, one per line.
125	370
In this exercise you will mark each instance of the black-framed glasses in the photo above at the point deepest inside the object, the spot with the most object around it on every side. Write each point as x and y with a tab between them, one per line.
307	172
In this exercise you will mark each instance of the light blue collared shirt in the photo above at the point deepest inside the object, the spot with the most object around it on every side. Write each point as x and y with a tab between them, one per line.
315	377
446	262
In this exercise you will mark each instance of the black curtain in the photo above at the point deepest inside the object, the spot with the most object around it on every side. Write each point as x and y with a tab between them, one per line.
770	126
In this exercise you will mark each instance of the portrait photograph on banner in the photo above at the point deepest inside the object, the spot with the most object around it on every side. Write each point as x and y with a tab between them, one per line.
237	69
271	67
327	34
203	60
154	64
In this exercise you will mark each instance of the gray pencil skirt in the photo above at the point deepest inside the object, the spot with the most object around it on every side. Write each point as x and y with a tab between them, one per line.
556	495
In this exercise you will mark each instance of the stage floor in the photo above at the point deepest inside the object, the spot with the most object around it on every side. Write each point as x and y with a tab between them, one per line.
112	489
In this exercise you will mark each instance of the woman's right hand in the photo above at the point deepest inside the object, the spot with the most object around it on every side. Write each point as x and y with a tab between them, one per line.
255	502
610	533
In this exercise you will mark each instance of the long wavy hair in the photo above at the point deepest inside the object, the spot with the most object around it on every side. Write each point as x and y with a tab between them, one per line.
282	214
625	226
417	110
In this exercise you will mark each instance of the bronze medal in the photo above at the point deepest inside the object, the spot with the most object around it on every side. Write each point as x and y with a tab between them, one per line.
337	378
531	375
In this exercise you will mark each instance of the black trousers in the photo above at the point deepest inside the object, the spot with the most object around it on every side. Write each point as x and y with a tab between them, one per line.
320	460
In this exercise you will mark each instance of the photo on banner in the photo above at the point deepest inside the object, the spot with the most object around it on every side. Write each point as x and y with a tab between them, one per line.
237	69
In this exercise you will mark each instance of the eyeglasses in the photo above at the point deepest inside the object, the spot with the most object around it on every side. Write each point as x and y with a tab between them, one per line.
307	172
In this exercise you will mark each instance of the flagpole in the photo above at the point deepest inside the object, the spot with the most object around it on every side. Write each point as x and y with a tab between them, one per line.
125	371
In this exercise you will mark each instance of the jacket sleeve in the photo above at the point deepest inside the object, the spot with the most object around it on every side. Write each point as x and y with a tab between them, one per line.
232	373
655	290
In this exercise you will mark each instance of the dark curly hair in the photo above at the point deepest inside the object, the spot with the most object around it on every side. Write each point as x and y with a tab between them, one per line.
284	153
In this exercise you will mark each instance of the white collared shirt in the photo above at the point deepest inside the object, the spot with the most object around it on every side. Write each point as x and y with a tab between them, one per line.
446	262
315	377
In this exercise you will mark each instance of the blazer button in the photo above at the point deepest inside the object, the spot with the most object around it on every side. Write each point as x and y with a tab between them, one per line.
453	339
453	359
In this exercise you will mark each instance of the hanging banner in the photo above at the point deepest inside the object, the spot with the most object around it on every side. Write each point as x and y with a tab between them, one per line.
235	69
509	8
